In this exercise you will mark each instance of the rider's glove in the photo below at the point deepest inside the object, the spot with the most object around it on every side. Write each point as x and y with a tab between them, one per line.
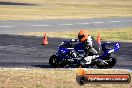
73	40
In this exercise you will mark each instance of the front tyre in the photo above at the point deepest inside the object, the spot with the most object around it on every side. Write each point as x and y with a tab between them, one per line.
53	61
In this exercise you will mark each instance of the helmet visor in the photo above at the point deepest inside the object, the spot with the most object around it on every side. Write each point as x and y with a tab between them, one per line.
80	36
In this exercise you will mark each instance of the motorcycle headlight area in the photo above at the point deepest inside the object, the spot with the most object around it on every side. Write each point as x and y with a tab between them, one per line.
73	54
62	51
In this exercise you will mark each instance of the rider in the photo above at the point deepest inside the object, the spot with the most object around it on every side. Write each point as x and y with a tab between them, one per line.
85	38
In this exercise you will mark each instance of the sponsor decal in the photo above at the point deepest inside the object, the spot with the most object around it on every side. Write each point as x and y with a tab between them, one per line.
83	78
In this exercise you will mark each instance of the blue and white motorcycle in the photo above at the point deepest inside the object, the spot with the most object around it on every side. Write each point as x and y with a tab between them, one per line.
72	54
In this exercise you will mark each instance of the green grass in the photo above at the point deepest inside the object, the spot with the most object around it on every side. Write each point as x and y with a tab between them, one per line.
121	34
65	9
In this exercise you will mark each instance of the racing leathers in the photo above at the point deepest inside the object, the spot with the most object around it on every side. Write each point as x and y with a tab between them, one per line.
89	48
88	44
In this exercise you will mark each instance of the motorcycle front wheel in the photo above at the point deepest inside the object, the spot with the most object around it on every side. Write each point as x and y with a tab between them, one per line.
53	61
56	63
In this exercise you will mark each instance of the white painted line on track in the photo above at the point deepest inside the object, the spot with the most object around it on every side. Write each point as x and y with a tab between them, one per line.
6	26
12	68
115	21
40	25
66	24
69	24
98	22
95	69
129	20
83	23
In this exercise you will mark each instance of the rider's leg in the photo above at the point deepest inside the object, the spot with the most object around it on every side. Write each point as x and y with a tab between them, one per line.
87	58
93	50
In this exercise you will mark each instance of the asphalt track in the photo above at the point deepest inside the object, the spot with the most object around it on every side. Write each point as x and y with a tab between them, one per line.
13	26
27	52
23	51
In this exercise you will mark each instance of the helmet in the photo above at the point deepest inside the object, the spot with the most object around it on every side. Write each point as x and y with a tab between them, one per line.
82	36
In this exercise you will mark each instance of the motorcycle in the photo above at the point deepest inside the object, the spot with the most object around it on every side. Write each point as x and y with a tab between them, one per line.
71	54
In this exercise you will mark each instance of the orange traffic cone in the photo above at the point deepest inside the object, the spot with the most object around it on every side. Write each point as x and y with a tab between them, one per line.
45	40
99	39
99	42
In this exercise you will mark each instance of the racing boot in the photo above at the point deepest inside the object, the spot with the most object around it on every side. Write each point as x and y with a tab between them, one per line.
88	59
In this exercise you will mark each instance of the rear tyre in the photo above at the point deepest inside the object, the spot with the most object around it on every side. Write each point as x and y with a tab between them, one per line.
101	65
113	60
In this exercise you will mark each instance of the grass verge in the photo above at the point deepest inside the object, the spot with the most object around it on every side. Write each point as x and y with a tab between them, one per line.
63	9
52	78
122	34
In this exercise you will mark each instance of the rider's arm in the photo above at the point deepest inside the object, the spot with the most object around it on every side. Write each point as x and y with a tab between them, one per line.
88	45
89	41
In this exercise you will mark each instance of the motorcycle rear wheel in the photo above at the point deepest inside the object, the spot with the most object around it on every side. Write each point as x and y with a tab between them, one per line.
112	59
